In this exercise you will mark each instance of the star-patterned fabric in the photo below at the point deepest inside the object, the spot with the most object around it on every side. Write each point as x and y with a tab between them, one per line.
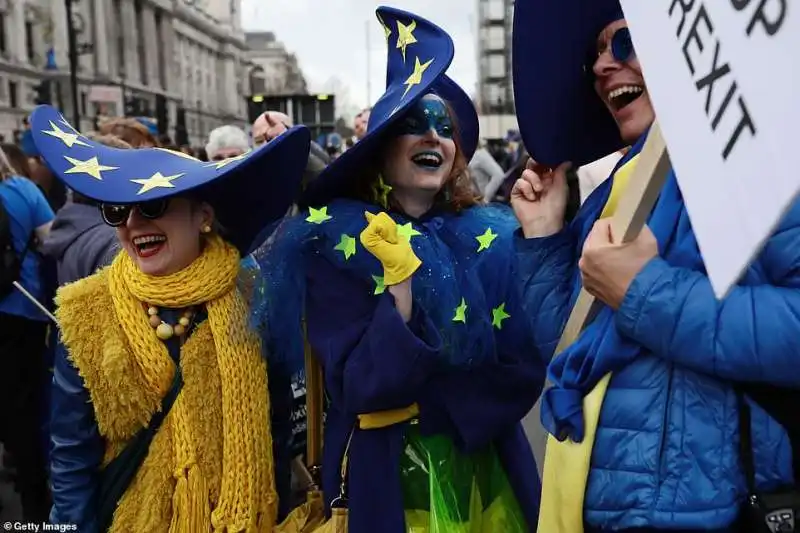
248	202
463	284
418	56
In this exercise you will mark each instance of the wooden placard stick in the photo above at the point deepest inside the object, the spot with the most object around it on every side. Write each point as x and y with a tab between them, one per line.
631	215
633	210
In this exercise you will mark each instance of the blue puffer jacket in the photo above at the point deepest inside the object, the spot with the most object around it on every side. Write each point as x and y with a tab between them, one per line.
666	452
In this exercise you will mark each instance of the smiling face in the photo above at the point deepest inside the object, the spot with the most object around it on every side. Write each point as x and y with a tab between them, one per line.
420	158
620	84
167	244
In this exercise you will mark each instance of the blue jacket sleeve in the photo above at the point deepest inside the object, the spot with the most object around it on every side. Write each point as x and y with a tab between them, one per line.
546	269
751	335
476	405
373	360
77	448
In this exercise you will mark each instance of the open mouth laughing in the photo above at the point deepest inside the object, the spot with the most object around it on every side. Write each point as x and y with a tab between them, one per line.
148	245
428	160
621	97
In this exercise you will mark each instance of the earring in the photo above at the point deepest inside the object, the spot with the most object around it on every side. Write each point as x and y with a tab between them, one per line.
205	229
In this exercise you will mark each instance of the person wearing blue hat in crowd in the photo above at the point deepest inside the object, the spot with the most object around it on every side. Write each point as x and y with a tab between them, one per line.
162	411
407	292
663	412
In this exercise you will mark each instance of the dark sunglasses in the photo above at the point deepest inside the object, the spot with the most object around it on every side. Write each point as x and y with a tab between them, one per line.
116	215
621	45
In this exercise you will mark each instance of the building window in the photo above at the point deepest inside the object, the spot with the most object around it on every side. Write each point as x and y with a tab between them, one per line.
140	43
494	10
30	46
3	38
12	94
497	66
120	40
162	51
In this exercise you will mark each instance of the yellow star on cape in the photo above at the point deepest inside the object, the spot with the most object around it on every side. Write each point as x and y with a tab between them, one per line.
382	191
461	312
386	29
155	181
69	139
407	231
347	245
416	76
498	315
486	239
318	216
179	154
380	287
91	166
405	36
228	161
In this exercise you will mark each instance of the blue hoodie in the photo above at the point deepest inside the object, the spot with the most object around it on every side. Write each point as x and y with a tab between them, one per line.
80	242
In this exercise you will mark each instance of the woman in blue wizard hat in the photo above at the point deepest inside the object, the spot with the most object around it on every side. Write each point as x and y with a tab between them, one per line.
161	406
664	413
408	294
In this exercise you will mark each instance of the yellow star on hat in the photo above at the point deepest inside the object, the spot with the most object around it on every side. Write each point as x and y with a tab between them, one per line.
69	139
179	154
155	181
386	29
224	162
416	76
91	166
405	36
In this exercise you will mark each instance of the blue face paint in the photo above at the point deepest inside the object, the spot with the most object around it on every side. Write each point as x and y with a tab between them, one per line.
427	115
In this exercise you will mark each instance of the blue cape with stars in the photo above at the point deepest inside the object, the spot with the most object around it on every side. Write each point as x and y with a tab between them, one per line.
466	258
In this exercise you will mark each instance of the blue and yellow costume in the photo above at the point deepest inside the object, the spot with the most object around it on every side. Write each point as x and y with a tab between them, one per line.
457	378
644	399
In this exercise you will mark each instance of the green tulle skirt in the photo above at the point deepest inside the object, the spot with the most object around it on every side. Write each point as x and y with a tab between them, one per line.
447	491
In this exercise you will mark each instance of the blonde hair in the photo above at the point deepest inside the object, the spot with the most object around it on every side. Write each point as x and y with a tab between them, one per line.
108	140
129	130
6	170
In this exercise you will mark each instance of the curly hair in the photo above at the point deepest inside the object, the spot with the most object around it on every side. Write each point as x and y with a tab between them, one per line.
129	130
457	192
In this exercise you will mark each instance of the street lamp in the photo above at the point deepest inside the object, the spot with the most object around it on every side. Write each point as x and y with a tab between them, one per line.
72	40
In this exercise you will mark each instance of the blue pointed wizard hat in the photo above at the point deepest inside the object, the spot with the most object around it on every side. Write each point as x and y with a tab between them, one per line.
560	116
419	54
248	192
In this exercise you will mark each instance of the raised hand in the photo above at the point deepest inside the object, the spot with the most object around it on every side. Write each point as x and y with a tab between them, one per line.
539	198
395	254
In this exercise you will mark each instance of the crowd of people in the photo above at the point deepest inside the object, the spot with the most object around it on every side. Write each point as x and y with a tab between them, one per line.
297	336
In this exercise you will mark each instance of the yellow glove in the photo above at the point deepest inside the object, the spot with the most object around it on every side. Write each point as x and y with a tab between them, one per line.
395	254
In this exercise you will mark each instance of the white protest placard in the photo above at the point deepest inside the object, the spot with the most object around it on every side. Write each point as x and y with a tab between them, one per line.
722	75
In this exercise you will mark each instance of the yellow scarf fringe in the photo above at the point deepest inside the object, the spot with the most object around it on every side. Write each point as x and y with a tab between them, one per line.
189	483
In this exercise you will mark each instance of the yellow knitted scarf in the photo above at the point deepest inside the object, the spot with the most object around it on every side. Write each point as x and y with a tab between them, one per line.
236	478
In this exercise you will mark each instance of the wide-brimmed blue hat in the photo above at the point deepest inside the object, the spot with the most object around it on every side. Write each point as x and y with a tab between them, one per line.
248	192
419	54
560	116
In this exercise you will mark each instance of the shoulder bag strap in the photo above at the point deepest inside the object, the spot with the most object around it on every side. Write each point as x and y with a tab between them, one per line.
117	476
315	390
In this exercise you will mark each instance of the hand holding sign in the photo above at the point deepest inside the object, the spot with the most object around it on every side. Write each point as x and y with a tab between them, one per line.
608	266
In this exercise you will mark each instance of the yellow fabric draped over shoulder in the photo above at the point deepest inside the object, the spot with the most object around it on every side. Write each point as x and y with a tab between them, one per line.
210	466
566	464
